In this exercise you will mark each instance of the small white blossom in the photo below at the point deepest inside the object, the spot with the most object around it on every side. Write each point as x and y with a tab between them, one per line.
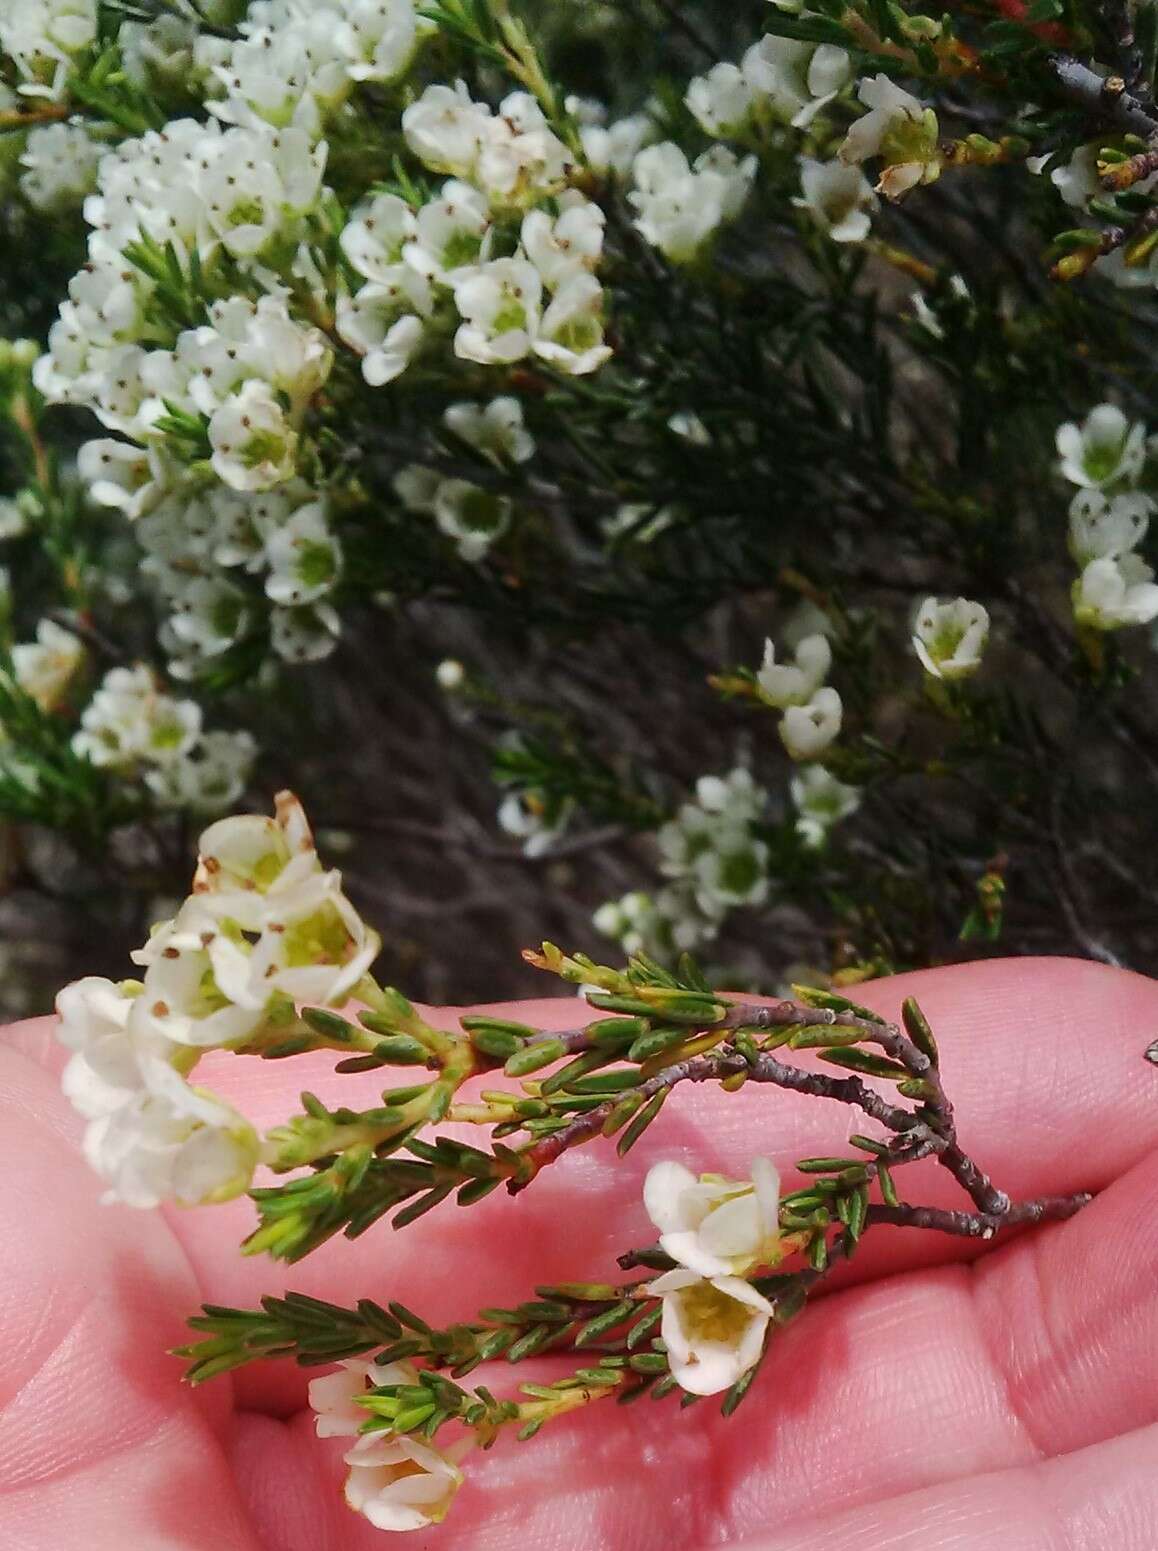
304	635
374	240
712	1225
570	336
559	245
1077	180
721	101
821	802
495	429
1114	592
1107	527
450	675
399	1483
333	1396
473	517
452	234
1105	450
949	638
385	322
501	308
839	199
614	147
305	559
900	130
445	129
713	1328
680	207
785	684
60	166
45	668
797	79
807	730
43	37
254	445
528	817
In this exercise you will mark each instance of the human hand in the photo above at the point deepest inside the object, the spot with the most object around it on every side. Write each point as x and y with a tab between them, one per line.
991	1395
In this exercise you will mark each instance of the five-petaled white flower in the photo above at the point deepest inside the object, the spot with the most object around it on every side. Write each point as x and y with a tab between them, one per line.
807	730
1103	451
949	638
785	684
399	1483
713	1225
713	1328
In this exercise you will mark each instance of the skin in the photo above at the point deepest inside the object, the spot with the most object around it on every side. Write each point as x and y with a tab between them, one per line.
991	1396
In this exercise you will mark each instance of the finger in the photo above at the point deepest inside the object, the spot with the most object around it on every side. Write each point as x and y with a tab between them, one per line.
99	1444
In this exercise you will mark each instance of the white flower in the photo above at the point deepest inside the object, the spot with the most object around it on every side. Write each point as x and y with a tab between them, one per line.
734	872
1077	181
821	802
450	675
1114	592
123	475
254	446
399	1483
445	128
688	426
452	234
529	818
783	684
558	246
735	797
171	1142
474	518
381	36
333	1396
44	668
807	730
839	198
264	877
385	323
798	79
570	334
679	207
613	148
720	101
633	920
520	158
128	719
42	37
712	1225
375	238
898	129
1107	527
1104	450
713	1328
304	635
500	308
495	429
158	54
305	559
60	162
211	777
950	637
150	1135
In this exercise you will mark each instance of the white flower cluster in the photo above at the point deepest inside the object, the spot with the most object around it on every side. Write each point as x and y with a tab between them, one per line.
813	712
296	60
778	78
1105	456
60	166
680	205
397	1482
465	512
44	39
132	727
264	927
204	549
716	863
717	1231
236	387
424	269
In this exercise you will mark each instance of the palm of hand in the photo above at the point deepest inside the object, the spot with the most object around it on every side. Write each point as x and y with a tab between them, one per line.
1009	1402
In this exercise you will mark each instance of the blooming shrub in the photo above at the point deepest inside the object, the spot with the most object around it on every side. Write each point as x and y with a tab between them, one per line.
710	418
